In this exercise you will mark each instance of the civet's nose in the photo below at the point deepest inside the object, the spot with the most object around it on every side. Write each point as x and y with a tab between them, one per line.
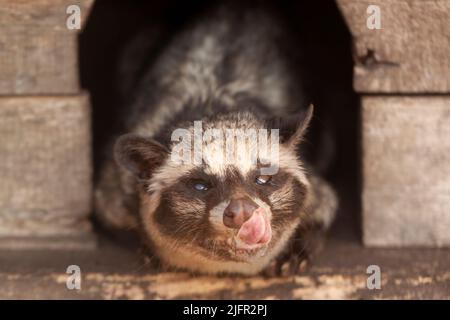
238	211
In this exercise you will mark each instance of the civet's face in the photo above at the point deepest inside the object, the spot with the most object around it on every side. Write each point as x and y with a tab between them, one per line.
225	207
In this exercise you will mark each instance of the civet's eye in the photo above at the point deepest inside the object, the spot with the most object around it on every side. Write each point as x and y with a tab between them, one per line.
262	180
200	186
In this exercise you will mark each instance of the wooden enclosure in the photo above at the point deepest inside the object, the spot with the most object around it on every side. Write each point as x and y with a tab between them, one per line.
401	71
45	129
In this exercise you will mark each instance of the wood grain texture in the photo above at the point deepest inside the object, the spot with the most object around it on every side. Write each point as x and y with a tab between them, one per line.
38	54
411	51
50	13
45	152
406	171
37	62
115	272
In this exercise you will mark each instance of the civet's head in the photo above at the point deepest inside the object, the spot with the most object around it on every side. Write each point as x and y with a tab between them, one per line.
207	204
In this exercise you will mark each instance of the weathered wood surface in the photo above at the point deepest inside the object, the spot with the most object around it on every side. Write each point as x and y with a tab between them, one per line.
411	51
33	61
116	273
38	53
51	13
406	170
45	167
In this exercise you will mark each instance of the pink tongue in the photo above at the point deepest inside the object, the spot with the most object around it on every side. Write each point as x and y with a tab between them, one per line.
254	230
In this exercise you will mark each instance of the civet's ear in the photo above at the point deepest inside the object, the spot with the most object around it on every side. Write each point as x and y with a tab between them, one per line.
304	120
293	128
139	155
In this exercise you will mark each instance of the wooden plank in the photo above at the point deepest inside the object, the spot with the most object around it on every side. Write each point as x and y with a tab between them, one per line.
38	53
50	13
45	147
37	62
411	51
406	171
